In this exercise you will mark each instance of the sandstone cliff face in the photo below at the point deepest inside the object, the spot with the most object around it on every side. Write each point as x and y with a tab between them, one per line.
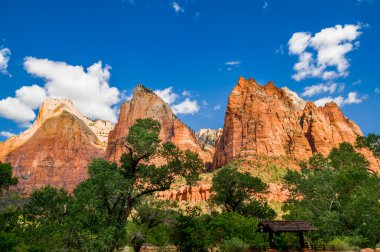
269	121
146	104
56	149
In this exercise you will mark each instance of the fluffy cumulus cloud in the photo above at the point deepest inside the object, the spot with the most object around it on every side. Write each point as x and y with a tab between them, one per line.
352	98
87	88
186	107
313	90
167	95
324	54
21	107
6	134
5	54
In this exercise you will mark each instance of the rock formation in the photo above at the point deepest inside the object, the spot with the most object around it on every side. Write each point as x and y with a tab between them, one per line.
208	138
146	104
56	149
193	194
269	121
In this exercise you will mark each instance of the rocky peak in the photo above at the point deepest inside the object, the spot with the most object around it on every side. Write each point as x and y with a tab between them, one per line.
146	104
57	148
269	121
54	107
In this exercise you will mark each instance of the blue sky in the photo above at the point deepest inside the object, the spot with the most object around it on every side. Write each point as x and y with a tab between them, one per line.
199	48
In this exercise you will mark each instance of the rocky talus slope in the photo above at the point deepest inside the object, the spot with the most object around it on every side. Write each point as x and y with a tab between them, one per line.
56	149
146	104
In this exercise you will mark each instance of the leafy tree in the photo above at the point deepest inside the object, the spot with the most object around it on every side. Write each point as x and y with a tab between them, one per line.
115	191
42	221
6	178
8	207
240	192
201	232
152	221
338	195
371	142
192	232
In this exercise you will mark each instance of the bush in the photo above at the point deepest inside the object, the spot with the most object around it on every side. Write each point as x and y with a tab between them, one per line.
234	245
345	243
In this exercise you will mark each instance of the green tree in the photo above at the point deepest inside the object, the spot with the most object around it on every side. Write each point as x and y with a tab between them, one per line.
115	191
6	178
338	195
8	207
240	192
371	142
153	222
42	221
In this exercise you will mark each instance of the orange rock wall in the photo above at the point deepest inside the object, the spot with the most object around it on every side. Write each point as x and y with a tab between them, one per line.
145	104
267	121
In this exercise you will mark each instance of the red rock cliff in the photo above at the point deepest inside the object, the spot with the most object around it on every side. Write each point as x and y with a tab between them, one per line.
146	104
56	149
269	121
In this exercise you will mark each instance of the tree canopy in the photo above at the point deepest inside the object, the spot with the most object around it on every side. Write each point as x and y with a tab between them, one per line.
240	192
338	195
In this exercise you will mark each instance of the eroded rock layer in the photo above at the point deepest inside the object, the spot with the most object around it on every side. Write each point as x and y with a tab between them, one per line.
269	121
146	104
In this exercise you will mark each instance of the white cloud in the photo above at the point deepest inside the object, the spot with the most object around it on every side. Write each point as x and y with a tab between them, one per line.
6	134
265	5
186	107
330	45
357	82
352	98
217	107
21	107
319	89
167	95
232	63
298	42
186	93
5	54
88	89
31	96
177	8
377	90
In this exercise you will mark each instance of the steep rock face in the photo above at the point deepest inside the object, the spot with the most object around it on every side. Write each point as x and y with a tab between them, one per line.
208	138
56	149
269	121
146	104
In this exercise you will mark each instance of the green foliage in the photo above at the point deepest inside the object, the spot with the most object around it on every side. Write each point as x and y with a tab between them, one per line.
238	192
192	233
234	245
6	179
42	220
347	243
338	195
196	232
371	142
152	222
95	217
